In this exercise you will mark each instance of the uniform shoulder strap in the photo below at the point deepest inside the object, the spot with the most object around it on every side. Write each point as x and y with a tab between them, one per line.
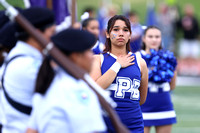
18	106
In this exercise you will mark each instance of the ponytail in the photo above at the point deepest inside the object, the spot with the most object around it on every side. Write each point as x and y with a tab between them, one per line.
45	77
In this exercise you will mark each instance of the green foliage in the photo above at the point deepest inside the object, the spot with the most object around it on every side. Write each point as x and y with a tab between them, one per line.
16	3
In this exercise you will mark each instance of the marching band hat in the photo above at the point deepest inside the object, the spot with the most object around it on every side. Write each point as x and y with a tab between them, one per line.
39	17
3	19
73	40
7	35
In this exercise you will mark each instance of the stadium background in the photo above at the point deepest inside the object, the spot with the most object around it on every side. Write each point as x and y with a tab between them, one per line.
186	96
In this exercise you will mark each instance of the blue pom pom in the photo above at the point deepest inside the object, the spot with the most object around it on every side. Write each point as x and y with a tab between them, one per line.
161	64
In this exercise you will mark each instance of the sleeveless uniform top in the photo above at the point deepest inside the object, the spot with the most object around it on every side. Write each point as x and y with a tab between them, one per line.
158	108
124	91
98	47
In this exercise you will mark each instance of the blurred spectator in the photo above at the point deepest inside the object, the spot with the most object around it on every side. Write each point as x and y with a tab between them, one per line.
112	11
174	12
101	16
91	12
126	6
150	14
189	45
166	23
106	11
137	31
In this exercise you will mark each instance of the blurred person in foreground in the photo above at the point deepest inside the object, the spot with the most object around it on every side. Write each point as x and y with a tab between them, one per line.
19	71
7	40
64	104
7	35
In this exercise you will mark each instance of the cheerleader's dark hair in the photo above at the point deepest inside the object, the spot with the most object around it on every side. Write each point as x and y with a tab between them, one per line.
110	26
86	22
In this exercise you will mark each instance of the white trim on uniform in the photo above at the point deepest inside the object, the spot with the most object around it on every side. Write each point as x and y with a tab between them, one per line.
154	87
102	58
114	56
138	56
159	115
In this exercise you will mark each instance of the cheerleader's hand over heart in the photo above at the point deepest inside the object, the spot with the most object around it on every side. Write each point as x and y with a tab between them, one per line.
126	60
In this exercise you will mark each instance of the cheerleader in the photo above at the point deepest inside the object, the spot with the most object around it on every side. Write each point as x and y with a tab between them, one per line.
92	25
122	73
158	109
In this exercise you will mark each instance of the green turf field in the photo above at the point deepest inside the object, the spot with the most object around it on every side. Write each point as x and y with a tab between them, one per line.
187	106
